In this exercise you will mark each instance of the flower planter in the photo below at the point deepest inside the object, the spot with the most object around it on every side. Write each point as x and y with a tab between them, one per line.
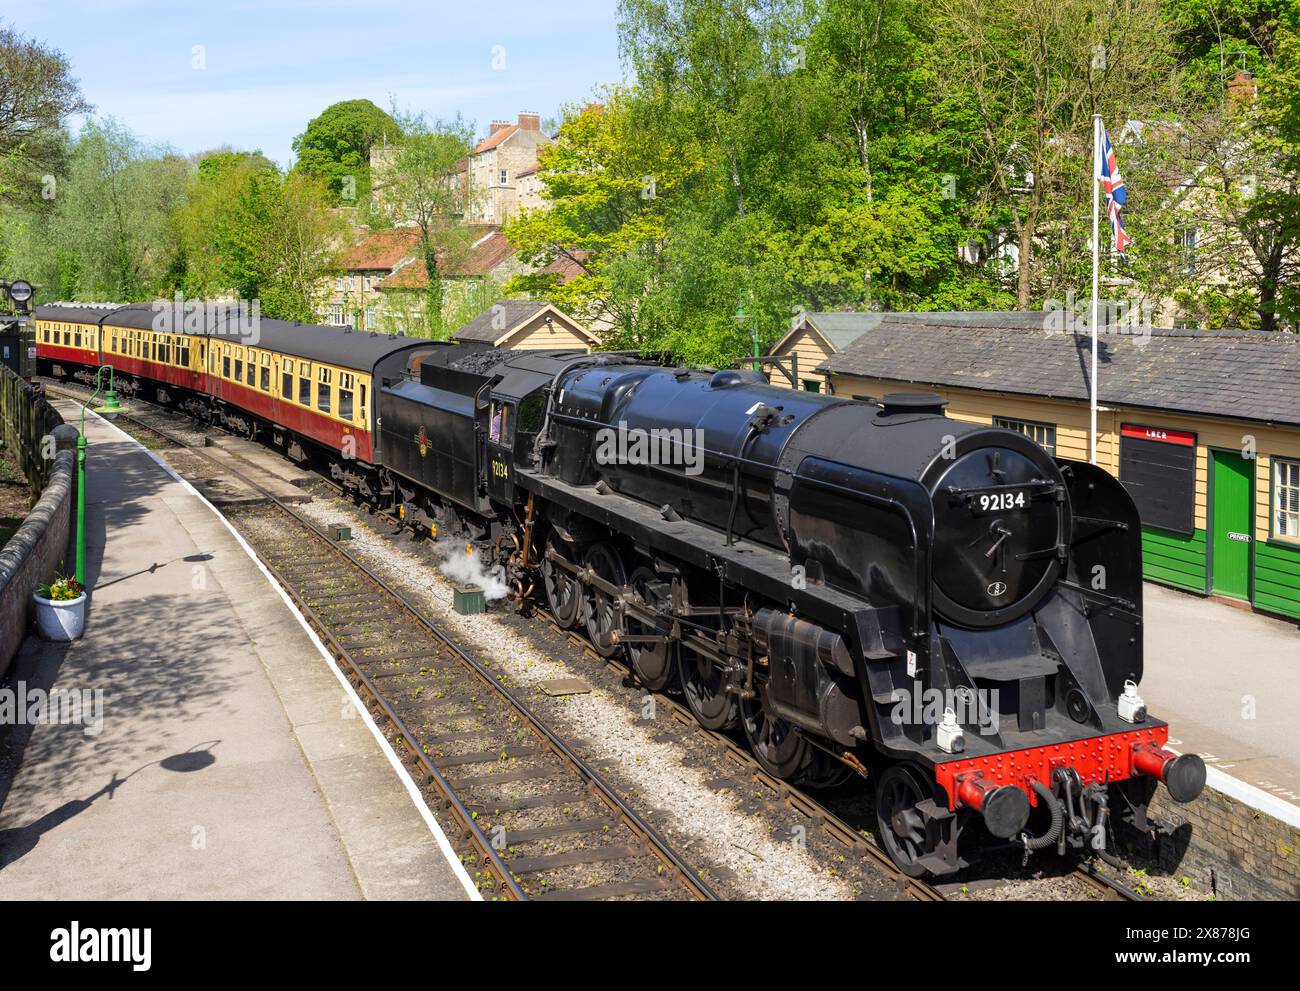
60	621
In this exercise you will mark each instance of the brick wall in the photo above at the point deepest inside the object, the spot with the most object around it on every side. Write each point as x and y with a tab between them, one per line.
1227	848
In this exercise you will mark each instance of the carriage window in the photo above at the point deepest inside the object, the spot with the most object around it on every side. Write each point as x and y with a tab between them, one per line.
286	381
265	383
225	363
323	391
345	395
165	349
252	367
185	352
304	384
239	364
76	338
363	402
67	336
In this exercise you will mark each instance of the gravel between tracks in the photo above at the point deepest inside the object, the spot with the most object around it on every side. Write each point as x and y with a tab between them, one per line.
768	868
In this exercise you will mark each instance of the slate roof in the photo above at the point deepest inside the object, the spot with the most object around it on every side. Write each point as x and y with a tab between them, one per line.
1240	374
490	325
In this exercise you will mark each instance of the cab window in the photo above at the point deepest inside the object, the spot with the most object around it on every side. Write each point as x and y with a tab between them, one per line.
502	425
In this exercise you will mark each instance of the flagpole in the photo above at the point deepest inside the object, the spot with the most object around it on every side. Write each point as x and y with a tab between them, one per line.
1092	323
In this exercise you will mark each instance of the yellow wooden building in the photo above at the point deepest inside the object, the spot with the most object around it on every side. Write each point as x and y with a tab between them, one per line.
527	324
1203	427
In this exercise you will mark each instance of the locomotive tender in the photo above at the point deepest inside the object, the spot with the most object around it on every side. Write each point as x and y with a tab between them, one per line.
858	587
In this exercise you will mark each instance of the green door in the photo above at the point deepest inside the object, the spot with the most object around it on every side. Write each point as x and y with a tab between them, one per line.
1230	525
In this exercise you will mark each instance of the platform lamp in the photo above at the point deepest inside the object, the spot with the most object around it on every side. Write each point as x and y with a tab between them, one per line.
108	410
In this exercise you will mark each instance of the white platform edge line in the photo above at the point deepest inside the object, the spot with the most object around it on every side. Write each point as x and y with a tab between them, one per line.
444	845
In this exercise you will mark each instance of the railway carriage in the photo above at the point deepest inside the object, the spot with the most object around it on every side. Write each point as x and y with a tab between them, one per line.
860	589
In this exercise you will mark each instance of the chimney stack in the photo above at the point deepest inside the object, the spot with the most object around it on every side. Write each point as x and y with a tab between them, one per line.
1242	86
529	121
497	125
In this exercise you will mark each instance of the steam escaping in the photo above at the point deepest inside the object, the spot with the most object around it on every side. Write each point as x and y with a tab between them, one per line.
464	568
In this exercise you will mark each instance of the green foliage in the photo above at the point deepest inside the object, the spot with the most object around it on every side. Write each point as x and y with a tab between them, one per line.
335	148
422	188
104	233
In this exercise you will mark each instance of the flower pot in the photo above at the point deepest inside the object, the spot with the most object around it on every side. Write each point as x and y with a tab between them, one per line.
60	621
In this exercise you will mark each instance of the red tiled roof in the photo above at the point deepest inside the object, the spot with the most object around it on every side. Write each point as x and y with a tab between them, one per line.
526	172
566	268
381	250
489	252
494	139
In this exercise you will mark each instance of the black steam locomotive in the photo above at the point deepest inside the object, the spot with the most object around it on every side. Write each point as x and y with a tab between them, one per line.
862	588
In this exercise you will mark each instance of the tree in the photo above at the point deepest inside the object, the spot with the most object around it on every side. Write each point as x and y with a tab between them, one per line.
279	242
37	94
610	186
335	148
426	187
104	233
1034	71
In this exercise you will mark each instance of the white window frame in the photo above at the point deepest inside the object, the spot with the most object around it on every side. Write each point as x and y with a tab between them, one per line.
1284	505
504	176
1030	429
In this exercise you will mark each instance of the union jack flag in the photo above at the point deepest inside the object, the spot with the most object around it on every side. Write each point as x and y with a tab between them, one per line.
1112	186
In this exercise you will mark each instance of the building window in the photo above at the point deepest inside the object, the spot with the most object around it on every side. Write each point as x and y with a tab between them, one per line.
811	385
371	317
1042	434
337	315
1286	499
503	177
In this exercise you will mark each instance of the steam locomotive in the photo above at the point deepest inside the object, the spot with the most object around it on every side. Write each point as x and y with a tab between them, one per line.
859	588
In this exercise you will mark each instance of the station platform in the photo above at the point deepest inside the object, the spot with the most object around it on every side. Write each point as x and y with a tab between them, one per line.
217	753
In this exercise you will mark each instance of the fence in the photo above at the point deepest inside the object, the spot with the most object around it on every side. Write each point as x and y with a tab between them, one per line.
26	420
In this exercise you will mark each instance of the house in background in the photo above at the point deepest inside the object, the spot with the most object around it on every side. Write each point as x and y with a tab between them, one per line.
353	297
1202	427
529	324
494	167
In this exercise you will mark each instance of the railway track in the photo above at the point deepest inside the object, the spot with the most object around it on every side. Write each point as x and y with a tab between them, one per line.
385	656
533	820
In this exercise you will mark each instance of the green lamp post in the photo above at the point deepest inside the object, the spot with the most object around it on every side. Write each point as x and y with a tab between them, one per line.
110	409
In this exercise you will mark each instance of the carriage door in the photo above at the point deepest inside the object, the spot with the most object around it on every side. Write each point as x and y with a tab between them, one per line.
500	440
1230	524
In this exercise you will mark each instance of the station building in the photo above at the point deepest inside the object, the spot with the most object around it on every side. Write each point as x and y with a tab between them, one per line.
1202	427
527	324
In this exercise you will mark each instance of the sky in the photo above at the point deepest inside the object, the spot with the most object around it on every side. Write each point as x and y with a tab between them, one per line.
196	76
